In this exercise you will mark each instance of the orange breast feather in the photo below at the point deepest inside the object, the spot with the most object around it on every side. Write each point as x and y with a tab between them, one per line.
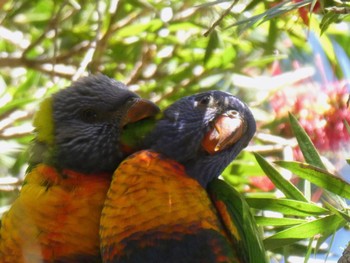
154	212
55	217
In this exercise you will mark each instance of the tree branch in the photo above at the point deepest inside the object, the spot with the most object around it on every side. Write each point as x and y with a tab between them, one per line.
51	24
93	45
217	22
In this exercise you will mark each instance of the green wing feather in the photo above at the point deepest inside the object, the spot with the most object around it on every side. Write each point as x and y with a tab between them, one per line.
134	134
238	220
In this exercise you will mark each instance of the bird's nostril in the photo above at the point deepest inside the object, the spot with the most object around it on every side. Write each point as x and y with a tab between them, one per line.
233	114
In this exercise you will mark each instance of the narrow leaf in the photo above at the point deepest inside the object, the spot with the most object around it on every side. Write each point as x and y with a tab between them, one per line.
212	45
286	206
347	126
275	221
328	19
306	146
309	250
319	177
289	190
15	104
323	226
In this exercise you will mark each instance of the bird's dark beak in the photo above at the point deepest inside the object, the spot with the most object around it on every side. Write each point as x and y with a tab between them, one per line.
140	109
226	130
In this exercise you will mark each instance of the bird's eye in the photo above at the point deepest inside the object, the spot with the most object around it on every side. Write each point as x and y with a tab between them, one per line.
88	115
203	101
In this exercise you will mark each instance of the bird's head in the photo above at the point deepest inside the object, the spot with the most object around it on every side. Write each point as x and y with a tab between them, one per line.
80	127
204	132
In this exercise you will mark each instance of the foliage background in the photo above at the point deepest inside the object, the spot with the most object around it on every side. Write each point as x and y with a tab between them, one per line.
273	54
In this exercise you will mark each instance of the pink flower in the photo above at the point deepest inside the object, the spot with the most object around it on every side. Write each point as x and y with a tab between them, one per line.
321	111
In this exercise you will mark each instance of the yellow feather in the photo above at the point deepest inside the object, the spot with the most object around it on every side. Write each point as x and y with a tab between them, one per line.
54	217
43	122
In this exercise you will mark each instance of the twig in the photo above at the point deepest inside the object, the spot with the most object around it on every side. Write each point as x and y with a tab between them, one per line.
184	83
217	22
187	83
13	38
15	135
139	65
9	119
102	44
338	10
63	71
269	138
265	148
62	58
41	65
93	45
51	24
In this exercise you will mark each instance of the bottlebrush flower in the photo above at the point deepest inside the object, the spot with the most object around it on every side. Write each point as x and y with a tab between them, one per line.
305	10
321	111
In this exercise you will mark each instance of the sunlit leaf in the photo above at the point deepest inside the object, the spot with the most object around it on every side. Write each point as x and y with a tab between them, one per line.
275	221
306	146
280	182
322	226
328	18
287	206
137	29
319	177
212	45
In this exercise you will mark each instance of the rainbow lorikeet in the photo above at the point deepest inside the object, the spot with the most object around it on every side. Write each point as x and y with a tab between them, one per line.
166	204
76	149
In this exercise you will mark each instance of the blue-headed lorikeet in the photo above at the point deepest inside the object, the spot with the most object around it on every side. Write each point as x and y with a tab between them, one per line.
77	147
167	205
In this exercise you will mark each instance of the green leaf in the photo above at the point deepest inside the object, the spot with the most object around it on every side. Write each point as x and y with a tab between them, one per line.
309	250
139	29
275	221
235	211
276	10
187	25
265	60
323	226
15	104
319	177
289	190
328	19
212	45
341	213
306	146
242	167
287	206
347	126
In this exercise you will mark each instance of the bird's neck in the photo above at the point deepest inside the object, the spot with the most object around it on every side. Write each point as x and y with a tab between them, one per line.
41	152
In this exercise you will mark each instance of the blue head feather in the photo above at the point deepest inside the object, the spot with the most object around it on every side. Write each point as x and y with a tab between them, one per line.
180	132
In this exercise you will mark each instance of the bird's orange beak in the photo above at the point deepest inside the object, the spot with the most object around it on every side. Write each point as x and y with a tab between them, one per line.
227	129
140	109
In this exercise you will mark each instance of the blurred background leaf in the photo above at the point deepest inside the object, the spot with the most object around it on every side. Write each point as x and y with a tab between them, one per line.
281	57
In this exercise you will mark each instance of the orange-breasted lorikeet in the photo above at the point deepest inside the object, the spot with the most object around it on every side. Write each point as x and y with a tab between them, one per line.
166	204
77	147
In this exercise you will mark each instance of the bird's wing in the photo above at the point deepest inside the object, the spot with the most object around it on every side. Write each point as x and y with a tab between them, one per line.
238	220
